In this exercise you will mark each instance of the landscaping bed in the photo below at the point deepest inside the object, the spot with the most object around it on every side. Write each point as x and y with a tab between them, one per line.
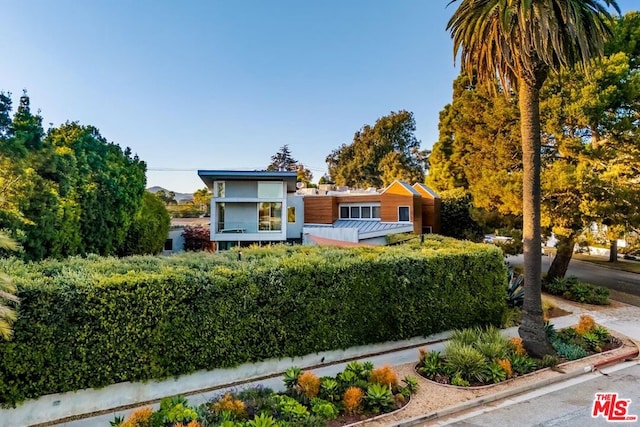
358	393
477	357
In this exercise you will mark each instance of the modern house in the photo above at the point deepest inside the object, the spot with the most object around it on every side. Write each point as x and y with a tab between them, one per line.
268	206
253	207
368	216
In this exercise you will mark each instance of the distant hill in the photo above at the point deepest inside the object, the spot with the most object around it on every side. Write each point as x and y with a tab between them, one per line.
180	197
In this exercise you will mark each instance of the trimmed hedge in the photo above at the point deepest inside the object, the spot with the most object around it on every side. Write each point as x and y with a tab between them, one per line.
98	321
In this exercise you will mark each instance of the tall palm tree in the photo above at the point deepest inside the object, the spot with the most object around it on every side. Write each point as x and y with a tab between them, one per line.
520	42
7	291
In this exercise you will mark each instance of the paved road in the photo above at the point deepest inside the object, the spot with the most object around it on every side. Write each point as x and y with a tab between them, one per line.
566	404
621	281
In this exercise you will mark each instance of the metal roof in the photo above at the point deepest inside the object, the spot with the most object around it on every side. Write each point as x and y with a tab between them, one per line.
369	229
427	190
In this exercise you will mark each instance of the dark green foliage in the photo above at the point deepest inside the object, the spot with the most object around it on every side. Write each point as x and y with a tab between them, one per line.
379	398
467	361
522	364
515	288
572	289
149	228
97	321
431	364
549	361
380	154
69	191
456	216
494	373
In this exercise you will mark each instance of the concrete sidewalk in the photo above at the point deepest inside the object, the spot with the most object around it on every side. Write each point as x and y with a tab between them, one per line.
618	317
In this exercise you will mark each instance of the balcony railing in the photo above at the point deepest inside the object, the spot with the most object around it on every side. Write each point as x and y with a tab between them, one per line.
231	227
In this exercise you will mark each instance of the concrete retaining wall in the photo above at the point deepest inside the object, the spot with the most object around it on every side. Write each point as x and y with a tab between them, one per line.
63	405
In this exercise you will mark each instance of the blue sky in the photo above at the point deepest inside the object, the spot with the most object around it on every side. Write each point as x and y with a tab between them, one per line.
224	84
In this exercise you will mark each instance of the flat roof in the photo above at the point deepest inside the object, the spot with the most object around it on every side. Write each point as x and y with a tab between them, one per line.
208	176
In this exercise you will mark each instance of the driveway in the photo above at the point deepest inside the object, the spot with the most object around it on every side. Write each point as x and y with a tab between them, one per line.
587	272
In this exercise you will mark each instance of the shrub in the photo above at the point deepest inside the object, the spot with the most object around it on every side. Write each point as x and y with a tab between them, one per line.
205	311
457	380
323	409
494	373
291	376
569	351
379	398
465	360
329	389
385	376
411	385
430	363
521	364
505	364
227	403
586	324
549	361
309	384
139	418
352	399
174	410
291	409
574	290
517	347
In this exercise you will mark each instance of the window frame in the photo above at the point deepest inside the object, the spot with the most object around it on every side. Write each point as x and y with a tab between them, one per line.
347	207
408	208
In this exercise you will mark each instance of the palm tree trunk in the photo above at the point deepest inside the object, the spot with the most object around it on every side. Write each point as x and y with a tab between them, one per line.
558	268
531	329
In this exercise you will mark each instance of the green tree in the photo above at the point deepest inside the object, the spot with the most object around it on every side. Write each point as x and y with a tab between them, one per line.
7	294
380	154
202	199
457	220
521	41
149	229
283	160
463	158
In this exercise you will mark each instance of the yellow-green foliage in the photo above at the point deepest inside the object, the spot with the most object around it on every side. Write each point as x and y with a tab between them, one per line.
140	318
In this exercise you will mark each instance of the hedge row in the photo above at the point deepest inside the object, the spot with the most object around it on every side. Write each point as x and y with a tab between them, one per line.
98	321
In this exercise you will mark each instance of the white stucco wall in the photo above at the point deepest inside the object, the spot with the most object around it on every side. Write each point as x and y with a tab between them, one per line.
343	234
175	233
294	229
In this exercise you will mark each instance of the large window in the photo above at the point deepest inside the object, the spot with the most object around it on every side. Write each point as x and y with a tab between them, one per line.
403	213
270	216
359	212
219	189
270	190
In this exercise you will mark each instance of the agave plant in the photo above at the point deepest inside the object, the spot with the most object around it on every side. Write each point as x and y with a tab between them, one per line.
330	389
431	364
379	398
291	377
262	420
515	288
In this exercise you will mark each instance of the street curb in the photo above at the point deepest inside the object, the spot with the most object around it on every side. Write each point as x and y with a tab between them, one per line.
474	403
